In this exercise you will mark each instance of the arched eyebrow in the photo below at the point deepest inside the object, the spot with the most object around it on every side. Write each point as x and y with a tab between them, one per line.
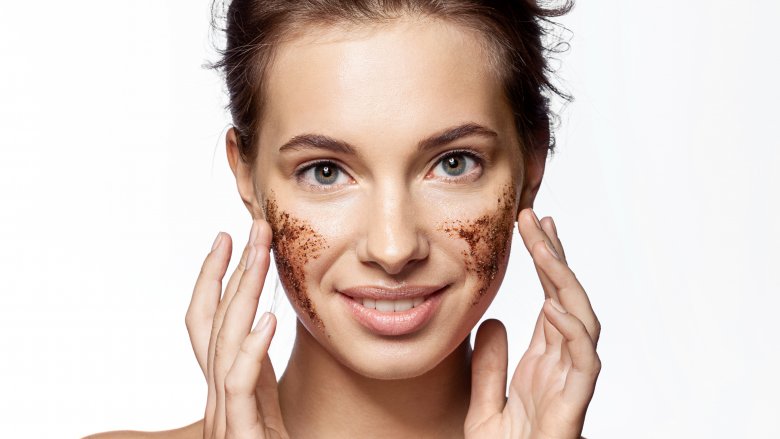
443	137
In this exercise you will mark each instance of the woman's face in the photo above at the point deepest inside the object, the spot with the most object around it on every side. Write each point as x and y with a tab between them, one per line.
389	170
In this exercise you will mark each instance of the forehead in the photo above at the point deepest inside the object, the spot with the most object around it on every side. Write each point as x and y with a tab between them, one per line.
398	81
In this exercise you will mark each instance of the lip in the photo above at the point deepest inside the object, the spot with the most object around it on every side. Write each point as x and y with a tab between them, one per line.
393	323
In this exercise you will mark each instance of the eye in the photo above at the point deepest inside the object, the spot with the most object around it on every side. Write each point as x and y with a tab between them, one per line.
323	174
455	165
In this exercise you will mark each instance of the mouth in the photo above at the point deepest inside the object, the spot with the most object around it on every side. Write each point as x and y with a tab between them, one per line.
393	312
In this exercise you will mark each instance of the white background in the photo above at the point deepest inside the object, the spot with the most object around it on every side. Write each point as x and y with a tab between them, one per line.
113	183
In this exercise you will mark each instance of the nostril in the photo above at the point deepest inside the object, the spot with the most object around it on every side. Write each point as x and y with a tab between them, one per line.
393	254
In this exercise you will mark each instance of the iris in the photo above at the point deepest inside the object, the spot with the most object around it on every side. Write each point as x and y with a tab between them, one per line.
454	165
326	173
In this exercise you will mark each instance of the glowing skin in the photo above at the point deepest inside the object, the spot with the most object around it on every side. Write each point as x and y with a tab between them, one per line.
380	204
380	215
381	207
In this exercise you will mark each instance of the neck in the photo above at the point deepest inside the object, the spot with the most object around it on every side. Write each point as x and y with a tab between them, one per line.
322	398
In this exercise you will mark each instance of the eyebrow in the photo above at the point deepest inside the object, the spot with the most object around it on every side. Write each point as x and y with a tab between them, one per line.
443	137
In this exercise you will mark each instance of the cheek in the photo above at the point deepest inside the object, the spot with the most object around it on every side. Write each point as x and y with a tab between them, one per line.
488	238
295	243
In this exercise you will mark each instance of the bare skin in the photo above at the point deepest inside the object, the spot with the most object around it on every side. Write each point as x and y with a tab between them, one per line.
386	212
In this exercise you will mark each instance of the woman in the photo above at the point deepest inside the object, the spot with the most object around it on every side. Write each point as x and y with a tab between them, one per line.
384	150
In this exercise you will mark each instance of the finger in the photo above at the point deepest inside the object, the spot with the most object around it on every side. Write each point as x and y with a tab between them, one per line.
255	235
228	295
205	297
488	373
531	231
258	235
243	419
570	292
238	318
585	362
211	416
242	308
548	225
267	396
537	339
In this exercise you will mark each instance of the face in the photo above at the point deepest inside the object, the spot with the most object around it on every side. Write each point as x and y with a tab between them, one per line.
389	169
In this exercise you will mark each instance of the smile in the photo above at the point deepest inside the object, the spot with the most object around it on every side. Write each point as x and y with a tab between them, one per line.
398	311
392	305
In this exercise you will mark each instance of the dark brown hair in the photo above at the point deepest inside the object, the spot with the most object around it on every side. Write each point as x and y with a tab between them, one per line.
514	31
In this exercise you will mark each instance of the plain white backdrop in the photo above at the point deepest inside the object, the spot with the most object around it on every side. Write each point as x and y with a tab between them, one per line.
114	182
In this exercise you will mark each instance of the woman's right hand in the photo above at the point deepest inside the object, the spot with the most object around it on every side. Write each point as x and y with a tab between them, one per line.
243	400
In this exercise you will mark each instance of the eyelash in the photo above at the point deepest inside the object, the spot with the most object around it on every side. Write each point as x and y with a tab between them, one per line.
478	158
299	174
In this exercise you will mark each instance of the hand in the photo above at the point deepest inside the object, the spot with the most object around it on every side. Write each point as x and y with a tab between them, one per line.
554	382
243	400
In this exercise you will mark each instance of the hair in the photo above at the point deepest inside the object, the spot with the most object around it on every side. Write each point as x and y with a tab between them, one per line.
514	34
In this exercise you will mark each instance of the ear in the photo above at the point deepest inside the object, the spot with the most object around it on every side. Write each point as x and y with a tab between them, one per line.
243	173
534	163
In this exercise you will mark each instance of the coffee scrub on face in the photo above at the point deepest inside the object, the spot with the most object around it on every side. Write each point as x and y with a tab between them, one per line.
294	244
489	237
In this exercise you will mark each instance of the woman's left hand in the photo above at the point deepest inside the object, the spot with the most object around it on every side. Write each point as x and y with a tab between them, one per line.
554	382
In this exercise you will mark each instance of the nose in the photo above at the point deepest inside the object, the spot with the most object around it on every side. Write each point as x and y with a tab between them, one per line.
392	239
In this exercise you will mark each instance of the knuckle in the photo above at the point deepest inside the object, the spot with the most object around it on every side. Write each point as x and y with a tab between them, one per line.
223	336
233	384
246	350
221	348
596	365
192	322
189	322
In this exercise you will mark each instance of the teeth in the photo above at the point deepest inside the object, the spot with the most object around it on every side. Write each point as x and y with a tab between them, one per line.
393	305
403	305
385	305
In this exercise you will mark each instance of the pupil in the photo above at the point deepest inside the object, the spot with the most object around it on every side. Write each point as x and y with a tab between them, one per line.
325	174
455	165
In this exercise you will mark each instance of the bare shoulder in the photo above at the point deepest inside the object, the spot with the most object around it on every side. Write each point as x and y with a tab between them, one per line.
192	431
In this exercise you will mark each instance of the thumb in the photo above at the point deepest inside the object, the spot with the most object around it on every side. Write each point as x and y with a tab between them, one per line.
488	373
267	395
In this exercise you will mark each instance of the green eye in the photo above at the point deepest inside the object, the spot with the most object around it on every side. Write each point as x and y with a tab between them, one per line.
326	173
454	165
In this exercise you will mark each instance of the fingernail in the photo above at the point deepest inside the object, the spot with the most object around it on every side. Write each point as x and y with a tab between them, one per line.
265	319
557	306
552	250
250	258
555	229
216	241
536	218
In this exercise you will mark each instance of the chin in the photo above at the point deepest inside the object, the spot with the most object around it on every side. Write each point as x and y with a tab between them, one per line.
397	358
393	368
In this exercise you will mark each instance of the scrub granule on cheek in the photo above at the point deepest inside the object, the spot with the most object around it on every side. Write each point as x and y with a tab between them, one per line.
294	243
488	238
